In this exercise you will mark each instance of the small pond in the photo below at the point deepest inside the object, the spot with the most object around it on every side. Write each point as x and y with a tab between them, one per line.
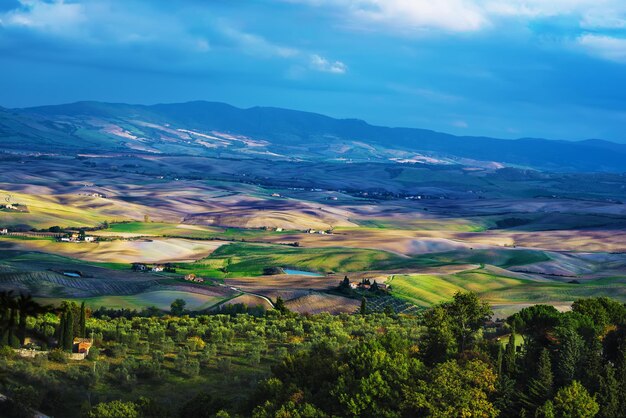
302	273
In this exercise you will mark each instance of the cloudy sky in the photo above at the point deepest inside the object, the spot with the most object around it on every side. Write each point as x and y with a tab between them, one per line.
504	68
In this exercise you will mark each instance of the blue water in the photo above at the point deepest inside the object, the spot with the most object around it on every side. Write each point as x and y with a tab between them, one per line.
70	274
302	273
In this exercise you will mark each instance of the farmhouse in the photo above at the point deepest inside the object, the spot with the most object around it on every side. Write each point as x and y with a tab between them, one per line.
89	238
158	268
193	278
4	231
82	345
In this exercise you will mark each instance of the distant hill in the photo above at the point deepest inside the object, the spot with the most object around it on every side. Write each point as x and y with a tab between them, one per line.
218	129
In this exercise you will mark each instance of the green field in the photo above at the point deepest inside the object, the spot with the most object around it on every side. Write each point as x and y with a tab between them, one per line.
243	259
188	231
157	298
442	224
505	257
426	290
33	258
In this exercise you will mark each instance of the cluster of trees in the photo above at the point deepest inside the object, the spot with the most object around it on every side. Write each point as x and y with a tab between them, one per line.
443	362
14	311
571	364
72	324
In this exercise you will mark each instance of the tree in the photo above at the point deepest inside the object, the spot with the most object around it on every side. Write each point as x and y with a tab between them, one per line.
453	390
114	409
363	309
467	314
177	308
569	355
8	318
437	342
535	321
541	384
280	306
574	401
26	307
609	393
344	285
509	361
68	330
82	321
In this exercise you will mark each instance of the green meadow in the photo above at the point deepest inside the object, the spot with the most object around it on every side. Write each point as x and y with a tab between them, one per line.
426	290
244	259
160	299
189	231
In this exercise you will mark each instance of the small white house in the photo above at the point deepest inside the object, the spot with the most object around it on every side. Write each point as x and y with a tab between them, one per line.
158	268
4	231
89	238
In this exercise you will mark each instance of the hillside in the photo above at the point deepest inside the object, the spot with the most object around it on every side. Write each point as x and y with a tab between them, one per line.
218	129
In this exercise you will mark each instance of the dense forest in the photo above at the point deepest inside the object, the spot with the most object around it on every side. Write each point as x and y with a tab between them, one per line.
451	360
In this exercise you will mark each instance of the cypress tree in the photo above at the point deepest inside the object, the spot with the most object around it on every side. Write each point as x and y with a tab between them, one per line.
570	355
540	387
81	323
499	360
509	361
608	395
62	326
68	332
363	309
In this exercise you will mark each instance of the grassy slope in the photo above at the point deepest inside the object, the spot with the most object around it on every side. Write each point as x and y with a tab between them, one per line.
241	259
159	298
425	290
188	231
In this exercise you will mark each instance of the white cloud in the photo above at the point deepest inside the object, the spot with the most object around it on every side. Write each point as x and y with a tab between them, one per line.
415	16
56	17
320	63
460	124
603	46
257	45
452	15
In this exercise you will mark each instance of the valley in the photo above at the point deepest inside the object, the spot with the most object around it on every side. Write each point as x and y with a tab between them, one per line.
514	236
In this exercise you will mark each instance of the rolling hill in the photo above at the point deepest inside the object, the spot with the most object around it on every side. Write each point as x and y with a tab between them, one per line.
218	129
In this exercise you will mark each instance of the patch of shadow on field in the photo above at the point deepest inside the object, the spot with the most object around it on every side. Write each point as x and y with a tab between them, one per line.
52	284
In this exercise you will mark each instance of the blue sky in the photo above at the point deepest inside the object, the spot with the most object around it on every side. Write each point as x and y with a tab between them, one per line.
504	68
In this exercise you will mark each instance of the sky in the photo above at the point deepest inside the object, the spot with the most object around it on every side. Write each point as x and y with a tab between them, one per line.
501	68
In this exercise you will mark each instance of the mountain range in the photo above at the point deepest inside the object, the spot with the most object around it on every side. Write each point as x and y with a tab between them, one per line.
218	129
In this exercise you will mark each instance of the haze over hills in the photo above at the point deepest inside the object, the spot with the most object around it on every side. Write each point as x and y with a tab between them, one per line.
218	129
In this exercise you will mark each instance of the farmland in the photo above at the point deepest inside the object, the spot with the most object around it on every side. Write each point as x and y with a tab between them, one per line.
476	230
